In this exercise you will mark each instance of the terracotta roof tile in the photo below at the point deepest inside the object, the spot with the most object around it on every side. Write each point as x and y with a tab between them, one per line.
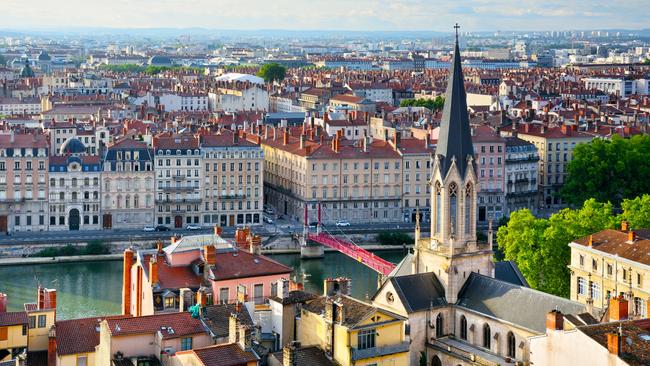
616	242
224	355
242	264
182	324
13	318
77	335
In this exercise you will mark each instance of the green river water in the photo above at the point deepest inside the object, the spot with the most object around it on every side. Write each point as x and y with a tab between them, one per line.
94	288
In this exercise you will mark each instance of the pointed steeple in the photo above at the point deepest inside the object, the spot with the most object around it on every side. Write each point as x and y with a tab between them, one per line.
455	140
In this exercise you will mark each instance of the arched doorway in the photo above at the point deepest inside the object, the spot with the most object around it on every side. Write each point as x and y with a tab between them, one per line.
436	361
73	219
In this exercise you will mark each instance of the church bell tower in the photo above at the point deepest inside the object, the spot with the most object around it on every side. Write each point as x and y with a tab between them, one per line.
451	251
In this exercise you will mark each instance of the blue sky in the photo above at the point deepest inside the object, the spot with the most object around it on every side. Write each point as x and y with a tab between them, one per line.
434	15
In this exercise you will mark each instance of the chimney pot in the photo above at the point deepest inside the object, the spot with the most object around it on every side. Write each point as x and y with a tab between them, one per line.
554	320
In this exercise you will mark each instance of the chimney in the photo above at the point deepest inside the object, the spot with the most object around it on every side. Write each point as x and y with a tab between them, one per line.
174	239
289	357
266	132
591	241
153	271
526	127
217	230
282	288
51	346
625	226
255	244
3	302
615	343
285	137
201	298
631	236
233	325
302	141
554	320
126	281
210	255
337	286
618	309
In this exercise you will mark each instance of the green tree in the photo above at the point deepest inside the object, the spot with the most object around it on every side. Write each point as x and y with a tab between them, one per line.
272	72
609	171
432	104
540	246
393	238
636	212
96	247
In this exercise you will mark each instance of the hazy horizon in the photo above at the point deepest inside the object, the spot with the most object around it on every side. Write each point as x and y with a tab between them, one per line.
330	15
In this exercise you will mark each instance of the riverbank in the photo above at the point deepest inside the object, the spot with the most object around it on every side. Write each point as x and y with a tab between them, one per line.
16	261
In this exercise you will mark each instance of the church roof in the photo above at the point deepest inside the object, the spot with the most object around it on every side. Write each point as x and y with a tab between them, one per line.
455	139
518	305
72	146
509	272
419	291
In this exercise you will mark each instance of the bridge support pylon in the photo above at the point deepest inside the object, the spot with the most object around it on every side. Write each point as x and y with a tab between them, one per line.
308	248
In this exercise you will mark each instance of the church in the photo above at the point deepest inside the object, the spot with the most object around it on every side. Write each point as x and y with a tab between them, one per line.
462	307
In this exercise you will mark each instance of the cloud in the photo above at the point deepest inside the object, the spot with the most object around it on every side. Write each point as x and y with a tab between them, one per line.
434	15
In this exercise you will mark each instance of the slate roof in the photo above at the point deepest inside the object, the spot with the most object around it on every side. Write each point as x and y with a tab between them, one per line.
509	272
217	318
455	139
419	291
518	305
224	355
307	356
13	318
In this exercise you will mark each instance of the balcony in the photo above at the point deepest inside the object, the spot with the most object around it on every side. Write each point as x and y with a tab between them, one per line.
232	196
179	188
179	177
179	200
360	354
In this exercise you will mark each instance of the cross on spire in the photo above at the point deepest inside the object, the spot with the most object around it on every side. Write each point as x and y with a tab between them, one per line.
456	28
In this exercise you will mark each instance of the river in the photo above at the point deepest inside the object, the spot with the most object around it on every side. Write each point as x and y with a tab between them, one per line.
95	288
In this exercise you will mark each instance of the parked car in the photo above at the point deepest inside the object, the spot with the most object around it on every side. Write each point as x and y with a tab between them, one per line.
161	228
313	225
343	223
268	220
148	229
193	227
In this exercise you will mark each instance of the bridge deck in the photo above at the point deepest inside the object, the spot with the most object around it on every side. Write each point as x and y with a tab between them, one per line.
354	251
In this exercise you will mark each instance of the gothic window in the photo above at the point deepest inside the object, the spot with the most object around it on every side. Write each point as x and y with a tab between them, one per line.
463	327
438	208
453	208
487	334
468	208
511	345
439	326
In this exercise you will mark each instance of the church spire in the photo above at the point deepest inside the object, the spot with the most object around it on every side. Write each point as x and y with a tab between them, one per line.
455	140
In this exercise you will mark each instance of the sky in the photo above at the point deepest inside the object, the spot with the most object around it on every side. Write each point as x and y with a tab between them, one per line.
364	15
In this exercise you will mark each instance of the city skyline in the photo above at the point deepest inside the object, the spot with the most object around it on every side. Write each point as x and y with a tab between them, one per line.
363	15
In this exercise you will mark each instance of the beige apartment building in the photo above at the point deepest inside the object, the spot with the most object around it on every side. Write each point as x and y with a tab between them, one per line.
233	178
555	146
612	263
23	182
356	180
178	179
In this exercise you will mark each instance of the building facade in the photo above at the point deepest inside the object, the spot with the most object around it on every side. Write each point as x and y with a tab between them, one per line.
521	165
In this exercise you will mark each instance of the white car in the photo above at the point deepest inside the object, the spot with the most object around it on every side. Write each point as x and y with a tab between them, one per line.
268	220
343	223
148	229
193	227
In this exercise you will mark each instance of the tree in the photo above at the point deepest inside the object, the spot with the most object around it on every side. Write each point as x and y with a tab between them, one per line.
432	104
540	246
272	72
609	171
637	212
393	238
3	60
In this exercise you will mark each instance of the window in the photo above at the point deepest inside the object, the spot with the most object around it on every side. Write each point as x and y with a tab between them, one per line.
463	327
366	339
81	360
511	345
258	293
169	302
32	322
440	331
487	336
582	286
41	321
186	344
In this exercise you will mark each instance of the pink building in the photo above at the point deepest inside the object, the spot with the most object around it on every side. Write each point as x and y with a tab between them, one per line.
198	268
490	155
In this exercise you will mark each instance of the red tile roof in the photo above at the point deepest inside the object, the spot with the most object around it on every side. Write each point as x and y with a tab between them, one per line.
224	355
242	264
13	318
173	277
182	324
23	141
77	335
616	242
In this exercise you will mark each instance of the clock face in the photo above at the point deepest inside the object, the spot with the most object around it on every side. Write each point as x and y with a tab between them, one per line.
390	297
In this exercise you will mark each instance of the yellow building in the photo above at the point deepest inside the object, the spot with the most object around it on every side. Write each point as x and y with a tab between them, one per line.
13	331
41	316
352	332
612	263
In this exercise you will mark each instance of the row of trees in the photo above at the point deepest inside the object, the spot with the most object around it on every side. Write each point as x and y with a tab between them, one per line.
540	246
608	170
432	104
149	70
